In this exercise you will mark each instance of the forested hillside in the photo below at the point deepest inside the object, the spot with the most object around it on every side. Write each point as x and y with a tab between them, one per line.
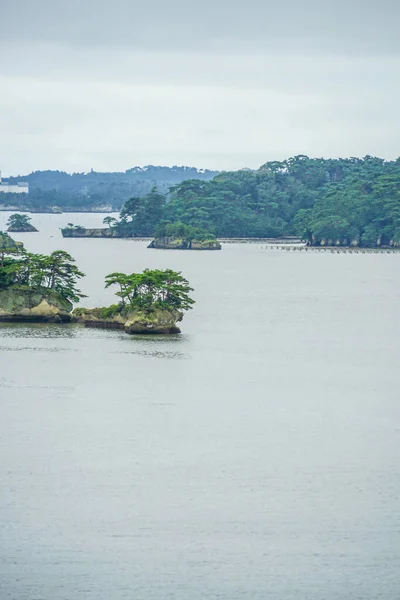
90	190
349	200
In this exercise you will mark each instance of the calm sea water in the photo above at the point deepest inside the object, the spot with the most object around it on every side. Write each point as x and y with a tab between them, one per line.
254	457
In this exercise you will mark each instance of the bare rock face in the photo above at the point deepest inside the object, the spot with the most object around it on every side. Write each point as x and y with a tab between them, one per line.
30	305
159	321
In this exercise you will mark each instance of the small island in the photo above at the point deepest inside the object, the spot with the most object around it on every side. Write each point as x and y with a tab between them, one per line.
78	231
20	223
151	302
146	218
178	236
36	288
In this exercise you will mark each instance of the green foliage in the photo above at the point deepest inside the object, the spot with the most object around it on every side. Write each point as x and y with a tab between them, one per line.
8	247
343	201
302	224
182	231
108	312
56	271
17	221
152	289
71	227
139	216
105	312
110	221
89	190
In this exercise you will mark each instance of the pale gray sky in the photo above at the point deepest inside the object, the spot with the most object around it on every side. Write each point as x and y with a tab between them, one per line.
219	84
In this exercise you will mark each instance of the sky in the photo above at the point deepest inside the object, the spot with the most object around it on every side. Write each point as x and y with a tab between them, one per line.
214	84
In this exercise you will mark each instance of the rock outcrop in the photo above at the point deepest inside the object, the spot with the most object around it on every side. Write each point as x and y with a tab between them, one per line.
156	321
171	243
82	232
26	229
8	244
26	304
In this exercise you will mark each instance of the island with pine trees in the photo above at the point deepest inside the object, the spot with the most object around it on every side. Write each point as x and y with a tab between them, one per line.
178	236
348	202
143	218
39	288
18	223
151	302
36	287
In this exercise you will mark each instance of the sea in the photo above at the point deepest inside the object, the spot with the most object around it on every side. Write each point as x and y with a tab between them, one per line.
253	457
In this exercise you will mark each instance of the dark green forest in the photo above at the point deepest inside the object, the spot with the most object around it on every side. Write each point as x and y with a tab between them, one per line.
350	201
353	201
79	191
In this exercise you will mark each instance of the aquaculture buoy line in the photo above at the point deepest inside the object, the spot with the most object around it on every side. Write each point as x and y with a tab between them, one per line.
332	249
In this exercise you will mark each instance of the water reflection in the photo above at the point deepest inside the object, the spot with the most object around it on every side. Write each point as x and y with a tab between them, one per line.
154	354
35	349
38	330
149	346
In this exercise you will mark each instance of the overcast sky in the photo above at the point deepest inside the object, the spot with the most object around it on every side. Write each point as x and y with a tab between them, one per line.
221	84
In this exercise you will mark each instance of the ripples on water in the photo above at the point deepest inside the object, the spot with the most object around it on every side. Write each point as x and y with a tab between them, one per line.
140	345
256	455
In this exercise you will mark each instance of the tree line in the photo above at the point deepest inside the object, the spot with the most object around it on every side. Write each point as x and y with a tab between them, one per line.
94	189
324	201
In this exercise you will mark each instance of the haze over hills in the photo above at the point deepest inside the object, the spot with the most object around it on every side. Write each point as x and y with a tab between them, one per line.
93	189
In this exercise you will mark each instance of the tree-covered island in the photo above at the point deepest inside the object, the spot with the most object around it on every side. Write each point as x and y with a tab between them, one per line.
43	288
36	287
20	223
178	236
143	217
151	302
341	202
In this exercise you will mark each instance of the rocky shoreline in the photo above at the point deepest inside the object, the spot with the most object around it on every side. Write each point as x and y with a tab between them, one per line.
22	304
155	322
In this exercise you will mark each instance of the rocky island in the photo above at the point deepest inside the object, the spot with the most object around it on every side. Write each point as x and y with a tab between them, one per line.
178	243
36	288
146	218
179	236
20	224
78	231
152	302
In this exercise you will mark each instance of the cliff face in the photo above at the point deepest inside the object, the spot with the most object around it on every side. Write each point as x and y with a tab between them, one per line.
157	321
169	243
25	304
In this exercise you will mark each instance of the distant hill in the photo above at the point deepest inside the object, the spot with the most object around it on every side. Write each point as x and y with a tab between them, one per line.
95	189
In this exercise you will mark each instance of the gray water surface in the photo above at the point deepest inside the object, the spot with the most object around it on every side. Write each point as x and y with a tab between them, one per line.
256	456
